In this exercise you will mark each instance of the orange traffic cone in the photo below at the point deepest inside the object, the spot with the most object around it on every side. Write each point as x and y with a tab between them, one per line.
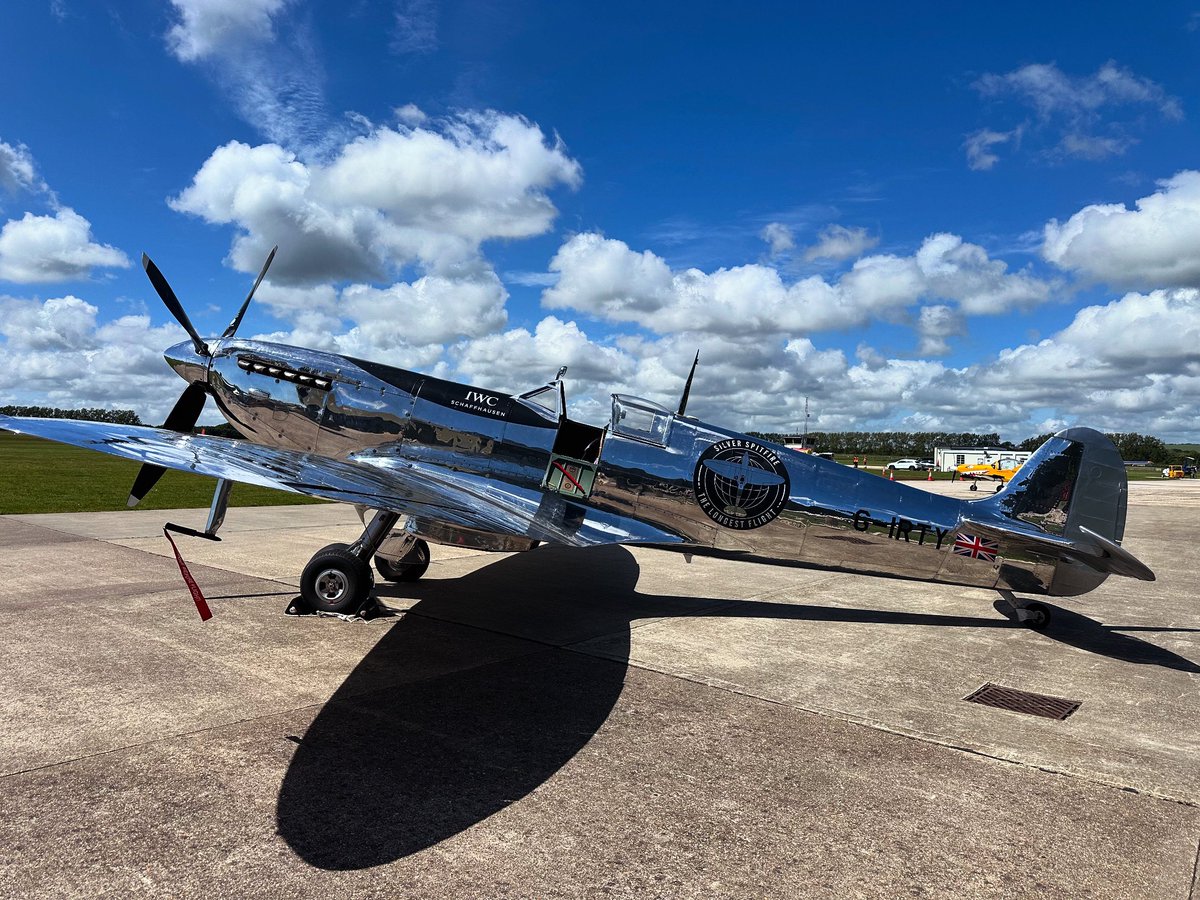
891	475
930	478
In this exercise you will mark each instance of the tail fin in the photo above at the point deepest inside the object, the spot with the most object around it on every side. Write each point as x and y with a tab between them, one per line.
1069	500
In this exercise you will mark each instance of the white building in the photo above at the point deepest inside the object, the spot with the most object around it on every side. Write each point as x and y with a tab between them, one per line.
947	459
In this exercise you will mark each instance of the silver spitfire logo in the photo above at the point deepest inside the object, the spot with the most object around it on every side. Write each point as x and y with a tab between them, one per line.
741	484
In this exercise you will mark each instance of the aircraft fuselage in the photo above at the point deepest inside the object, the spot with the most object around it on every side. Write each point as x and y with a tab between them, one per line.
685	482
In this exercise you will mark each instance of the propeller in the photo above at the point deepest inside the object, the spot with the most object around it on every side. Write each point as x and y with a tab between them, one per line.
186	412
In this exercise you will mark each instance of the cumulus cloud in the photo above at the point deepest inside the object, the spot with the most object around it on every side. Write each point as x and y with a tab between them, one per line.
1085	117
432	310
404	324
956	270
60	323
523	359
409	195
57	352
935	325
778	237
53	248
1157	244
1140	334
605	278
410	114
17	170
208	28
837	242
1050	91
980	156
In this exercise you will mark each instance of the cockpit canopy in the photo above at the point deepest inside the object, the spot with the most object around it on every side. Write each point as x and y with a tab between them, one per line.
642	420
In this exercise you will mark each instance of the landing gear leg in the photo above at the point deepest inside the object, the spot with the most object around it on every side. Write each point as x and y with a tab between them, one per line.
338	578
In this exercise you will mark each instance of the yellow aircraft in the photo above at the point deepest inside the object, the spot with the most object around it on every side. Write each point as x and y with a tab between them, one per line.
1001	470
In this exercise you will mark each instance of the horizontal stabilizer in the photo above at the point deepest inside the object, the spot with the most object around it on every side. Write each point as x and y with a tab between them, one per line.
1093	550
1115	558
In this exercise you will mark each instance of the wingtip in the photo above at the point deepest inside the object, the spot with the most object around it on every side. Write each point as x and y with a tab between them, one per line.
132	501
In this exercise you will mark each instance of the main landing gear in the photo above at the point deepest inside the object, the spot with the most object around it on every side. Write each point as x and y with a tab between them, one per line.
338	579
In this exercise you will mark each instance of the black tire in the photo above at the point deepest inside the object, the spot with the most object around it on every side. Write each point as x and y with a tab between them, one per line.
411	566
335	580
1038	617
974	486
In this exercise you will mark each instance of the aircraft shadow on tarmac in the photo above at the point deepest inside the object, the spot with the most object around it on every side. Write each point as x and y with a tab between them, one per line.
435	730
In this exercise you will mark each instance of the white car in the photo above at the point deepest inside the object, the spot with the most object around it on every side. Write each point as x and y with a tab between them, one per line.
905	464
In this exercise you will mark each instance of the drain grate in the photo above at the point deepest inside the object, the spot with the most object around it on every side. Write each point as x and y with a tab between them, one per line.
1024	702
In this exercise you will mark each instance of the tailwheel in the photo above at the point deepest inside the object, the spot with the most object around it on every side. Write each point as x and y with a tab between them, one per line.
335	580
1035	616
410	567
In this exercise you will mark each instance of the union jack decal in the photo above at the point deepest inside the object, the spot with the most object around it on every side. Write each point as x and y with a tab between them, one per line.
976	547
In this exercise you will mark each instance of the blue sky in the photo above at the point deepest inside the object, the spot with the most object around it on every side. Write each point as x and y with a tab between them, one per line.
917	218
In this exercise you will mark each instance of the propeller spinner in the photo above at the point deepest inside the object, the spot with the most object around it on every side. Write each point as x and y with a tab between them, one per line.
190	360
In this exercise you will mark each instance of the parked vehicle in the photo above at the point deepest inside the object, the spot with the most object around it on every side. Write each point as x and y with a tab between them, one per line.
905	464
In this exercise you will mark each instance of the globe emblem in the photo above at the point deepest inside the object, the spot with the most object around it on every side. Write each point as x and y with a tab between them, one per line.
741	484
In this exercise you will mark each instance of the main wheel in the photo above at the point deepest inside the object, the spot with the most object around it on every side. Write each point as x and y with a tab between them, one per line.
335	580
974	486
410	567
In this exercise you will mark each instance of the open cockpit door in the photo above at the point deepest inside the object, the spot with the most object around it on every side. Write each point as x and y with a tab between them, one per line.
571	470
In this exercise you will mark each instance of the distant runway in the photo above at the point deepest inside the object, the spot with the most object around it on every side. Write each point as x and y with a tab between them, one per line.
600	722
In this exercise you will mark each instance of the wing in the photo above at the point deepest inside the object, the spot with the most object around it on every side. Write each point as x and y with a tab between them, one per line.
374	479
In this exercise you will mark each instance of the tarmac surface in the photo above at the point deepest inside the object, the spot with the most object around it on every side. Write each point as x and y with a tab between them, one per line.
561	723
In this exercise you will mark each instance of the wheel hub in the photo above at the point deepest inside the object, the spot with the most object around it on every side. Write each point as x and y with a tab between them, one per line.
331	585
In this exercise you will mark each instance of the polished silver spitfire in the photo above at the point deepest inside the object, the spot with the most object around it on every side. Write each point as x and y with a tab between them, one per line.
457	464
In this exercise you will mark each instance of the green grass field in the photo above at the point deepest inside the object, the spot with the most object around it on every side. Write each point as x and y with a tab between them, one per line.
39	476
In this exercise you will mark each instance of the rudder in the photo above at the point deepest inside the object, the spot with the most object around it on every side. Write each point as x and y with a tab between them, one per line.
1075	489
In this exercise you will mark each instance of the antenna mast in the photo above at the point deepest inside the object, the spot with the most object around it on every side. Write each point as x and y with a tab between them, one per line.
687	388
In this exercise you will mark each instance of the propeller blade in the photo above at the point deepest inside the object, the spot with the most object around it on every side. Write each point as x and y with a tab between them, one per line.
237	320
182	418
147	477
186	414
172	303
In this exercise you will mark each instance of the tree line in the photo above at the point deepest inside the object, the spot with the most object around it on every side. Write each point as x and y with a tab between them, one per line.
113	416
920	444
